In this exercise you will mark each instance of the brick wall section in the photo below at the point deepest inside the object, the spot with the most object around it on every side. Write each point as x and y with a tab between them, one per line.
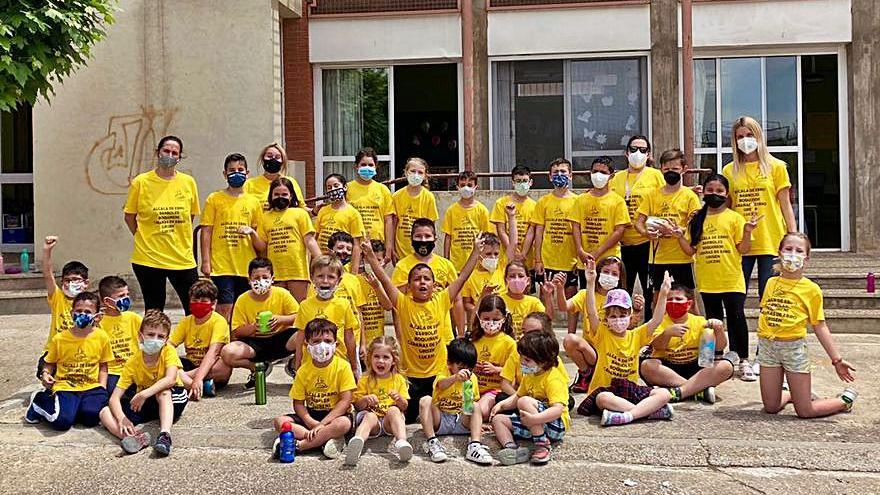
299	120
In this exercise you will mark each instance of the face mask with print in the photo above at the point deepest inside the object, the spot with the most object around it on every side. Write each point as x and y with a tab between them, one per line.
151	347
167	161
491	327
336	195
599	179
261	285
672	177
529	370
271	165
714	200
280	203
618	323
325	293
747	144
559	180
123	304
73	289
607	281
489	264
415	179
423	248
343	258
637	160
366	172
467	192
521	188
792	262
322	351
82	320
236	179
676	310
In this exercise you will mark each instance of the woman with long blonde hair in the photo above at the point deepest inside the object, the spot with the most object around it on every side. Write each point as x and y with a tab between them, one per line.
273	158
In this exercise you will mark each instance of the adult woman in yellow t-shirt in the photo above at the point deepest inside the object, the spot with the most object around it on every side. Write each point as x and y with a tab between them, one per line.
159	213
274	160
759	185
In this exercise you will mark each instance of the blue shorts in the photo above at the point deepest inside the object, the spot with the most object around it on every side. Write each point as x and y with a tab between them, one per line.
554	430
64	409
229	287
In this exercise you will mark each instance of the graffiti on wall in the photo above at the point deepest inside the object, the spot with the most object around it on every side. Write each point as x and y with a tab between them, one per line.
126	150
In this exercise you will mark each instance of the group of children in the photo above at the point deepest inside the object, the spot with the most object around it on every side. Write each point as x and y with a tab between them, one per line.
473	347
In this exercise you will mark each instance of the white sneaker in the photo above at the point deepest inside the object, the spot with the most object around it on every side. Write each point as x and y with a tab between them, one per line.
747	371
479	454
435	450
404	450
331	449
353	452
756	368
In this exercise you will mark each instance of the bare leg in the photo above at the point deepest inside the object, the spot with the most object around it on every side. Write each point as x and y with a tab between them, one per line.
503	429
475	423
394	423
429	415
580	351
659	397
110	423
369	426
772	395
804	405
707	377
530	405
485	405
572	319
653	371
238	355
336	429
166	410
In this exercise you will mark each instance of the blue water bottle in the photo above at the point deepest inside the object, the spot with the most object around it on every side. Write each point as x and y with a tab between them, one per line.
287	450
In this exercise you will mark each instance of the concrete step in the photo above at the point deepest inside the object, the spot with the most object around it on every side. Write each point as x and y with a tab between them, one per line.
23	281
23	302
839	320
834	299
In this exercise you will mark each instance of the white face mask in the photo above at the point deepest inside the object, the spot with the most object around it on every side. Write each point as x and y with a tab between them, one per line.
747	144
322	351
151	347
607	281
491	327
792	262
325	294
261	285
415	179
467	192
489	263
637	160
599	179
73	289
619	323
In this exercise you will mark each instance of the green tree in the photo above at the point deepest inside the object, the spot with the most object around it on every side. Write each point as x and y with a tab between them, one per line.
44	41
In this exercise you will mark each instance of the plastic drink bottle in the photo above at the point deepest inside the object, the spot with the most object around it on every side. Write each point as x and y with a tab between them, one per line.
467	397
25	261
869	286
287	450
707	348
260	384
263	318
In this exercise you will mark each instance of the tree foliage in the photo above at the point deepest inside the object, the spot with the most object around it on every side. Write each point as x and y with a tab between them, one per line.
44	41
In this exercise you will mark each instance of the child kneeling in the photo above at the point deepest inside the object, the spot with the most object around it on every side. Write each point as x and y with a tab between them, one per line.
541	400
148	389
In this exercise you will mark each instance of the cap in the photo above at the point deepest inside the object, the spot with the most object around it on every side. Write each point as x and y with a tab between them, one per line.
619	298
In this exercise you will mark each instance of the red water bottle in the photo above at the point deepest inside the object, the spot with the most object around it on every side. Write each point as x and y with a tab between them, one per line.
869	285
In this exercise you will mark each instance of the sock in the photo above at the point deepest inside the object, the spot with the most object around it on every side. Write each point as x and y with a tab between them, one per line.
675	392
542	438
627	417
510	445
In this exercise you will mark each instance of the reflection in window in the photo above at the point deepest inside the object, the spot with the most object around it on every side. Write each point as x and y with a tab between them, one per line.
740	92
705	130
781	124
355	114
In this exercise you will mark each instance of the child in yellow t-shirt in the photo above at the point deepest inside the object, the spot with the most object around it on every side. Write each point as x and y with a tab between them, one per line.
522	206
790	301
599	216
412	202
203	334
226	251
149	389
74	280
542	396
511	373
75	374
491	333
423	325
520	304
321	394
250	341
462	221
380	399
488	277
338	216
370	198
442	412
120	324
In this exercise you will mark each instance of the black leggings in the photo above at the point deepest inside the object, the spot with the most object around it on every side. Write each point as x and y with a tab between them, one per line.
152	282
635	260
733	304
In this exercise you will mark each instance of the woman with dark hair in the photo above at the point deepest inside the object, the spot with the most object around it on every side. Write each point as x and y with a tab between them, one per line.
159	214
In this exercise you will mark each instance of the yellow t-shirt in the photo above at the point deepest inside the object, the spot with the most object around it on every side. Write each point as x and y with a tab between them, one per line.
598	217
512	370
284	233
61	307
279	302
373	202
258	187
523	216
372	313
137	373
320	388
230	251
557	249
380	387
684	349
480	278
78	360
164	210
675	208
754	193
450	399
580	306
463	225
718	263
549	387
787	306
618	355
336	309
444	271
633	188
425	329
407	209
520	308
493	349
331	221
123	332
197	338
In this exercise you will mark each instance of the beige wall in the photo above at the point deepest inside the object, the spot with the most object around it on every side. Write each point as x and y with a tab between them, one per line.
205	71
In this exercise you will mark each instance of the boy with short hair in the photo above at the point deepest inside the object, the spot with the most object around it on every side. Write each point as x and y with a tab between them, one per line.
541	401
249	343
203	334
521	176
148	389
599	216
462	221
120	324
441	413
74	280
75	371
321	394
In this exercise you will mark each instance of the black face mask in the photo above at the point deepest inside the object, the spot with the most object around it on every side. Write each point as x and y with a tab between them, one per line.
423	248
280	203
672	178
272	166
714	200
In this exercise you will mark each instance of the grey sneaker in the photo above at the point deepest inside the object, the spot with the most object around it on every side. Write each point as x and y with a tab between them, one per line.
353	452
133	444
404	450
509	457
478	454
331	448
435	450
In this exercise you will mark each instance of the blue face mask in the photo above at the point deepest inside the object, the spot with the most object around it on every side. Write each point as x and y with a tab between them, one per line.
123	304
366	172
529	370
82	320
151	346
559	180
236	179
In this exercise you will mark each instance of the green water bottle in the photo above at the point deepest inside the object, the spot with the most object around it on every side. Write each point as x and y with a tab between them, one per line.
260	384
25	261
263	318
467	397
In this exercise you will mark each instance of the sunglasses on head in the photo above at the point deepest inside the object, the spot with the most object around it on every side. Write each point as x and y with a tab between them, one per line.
643	149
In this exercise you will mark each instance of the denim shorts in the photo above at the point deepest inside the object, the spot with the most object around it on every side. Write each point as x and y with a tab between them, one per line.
791	355
452	424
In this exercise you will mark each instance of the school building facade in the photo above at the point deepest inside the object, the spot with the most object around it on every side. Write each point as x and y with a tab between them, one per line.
484	84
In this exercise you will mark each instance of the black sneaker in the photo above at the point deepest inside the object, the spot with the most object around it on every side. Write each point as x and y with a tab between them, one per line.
163	444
